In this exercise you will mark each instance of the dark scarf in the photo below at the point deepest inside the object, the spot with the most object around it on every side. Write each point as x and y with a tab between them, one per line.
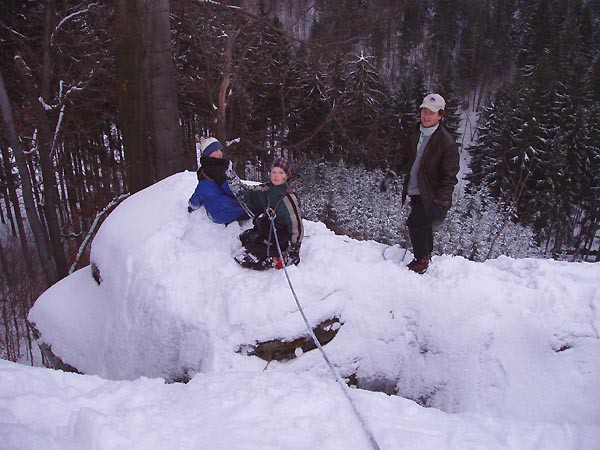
213	169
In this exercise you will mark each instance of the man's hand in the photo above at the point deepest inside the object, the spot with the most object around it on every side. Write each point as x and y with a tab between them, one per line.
387	181
438	214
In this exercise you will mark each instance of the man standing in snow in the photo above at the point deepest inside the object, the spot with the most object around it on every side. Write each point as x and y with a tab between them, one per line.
429	158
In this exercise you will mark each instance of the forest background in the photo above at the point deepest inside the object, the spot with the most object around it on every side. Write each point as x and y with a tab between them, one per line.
101	99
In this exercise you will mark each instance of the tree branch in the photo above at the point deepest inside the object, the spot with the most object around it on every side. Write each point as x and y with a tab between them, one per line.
92	231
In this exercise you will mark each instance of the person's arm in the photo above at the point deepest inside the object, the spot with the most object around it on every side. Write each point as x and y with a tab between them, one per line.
396	167
195	200
295	229
450	166
236	186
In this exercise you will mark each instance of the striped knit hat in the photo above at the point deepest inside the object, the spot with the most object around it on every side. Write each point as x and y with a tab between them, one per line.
209	145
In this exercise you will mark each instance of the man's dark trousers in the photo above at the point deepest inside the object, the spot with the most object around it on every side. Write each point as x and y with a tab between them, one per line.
419	228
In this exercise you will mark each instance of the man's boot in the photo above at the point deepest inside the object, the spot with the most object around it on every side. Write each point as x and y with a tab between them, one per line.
419	265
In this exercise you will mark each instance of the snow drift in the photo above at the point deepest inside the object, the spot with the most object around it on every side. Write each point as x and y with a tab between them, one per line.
515	339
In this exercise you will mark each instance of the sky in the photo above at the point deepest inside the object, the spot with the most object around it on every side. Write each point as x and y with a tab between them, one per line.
503	354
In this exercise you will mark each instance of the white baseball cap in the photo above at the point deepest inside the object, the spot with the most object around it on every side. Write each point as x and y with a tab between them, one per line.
434	102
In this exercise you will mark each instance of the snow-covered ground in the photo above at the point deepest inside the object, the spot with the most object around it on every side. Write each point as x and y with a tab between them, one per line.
505	353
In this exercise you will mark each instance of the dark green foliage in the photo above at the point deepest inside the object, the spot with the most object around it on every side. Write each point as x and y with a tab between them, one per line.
361	122
538	140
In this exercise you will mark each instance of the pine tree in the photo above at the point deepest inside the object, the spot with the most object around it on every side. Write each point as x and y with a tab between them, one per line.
574	144
310	118
452	112
488	153
402	110
363	104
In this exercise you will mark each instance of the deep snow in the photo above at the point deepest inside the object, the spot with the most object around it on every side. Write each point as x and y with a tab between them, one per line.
505	352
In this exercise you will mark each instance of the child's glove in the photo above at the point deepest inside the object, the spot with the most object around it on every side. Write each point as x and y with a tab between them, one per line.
235	184
293	255
277	263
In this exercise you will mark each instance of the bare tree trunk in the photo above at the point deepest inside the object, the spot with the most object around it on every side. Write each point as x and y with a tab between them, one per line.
12	194
9	215
149	118
28	200
223	88
167	143
45	140
46	56
132	110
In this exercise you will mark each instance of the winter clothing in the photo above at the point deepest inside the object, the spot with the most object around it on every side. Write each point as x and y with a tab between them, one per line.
260	240
420	229
387	181
430	159
284	164
214	194
438	215
413	179
210	145
419	265
438	167
434	102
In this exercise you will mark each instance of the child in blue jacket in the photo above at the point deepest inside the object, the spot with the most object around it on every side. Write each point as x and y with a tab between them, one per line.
212	190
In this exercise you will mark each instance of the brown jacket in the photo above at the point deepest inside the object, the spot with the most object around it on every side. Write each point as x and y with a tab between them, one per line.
439	166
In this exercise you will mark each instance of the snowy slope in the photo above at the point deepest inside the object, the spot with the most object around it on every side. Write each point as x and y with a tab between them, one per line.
496	348
242	410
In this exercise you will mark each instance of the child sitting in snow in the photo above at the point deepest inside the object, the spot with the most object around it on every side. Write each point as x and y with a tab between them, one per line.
212	190
275	199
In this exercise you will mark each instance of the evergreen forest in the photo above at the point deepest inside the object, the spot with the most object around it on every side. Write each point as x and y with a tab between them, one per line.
102	99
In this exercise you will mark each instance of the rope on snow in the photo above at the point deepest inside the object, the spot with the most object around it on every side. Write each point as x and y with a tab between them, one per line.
335	373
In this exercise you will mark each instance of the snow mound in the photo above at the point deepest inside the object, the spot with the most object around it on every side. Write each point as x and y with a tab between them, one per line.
517	339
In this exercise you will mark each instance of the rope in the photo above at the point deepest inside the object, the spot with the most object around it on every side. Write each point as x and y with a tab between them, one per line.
335	373
245	207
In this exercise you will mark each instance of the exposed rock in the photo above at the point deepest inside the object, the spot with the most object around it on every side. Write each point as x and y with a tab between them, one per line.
283	350
373	384
53	361
96	273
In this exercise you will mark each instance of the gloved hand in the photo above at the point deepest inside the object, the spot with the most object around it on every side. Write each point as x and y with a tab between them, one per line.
235	184
190	209
230	171
293	255
438	214
277	263
388	179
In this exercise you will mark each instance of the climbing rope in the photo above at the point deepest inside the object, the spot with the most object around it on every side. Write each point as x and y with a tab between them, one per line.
333	370
271	215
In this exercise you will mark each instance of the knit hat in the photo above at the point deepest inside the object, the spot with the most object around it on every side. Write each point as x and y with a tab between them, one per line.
209	145
284	164
434	102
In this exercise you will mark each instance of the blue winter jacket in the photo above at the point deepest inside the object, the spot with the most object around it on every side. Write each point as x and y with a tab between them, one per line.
218	200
